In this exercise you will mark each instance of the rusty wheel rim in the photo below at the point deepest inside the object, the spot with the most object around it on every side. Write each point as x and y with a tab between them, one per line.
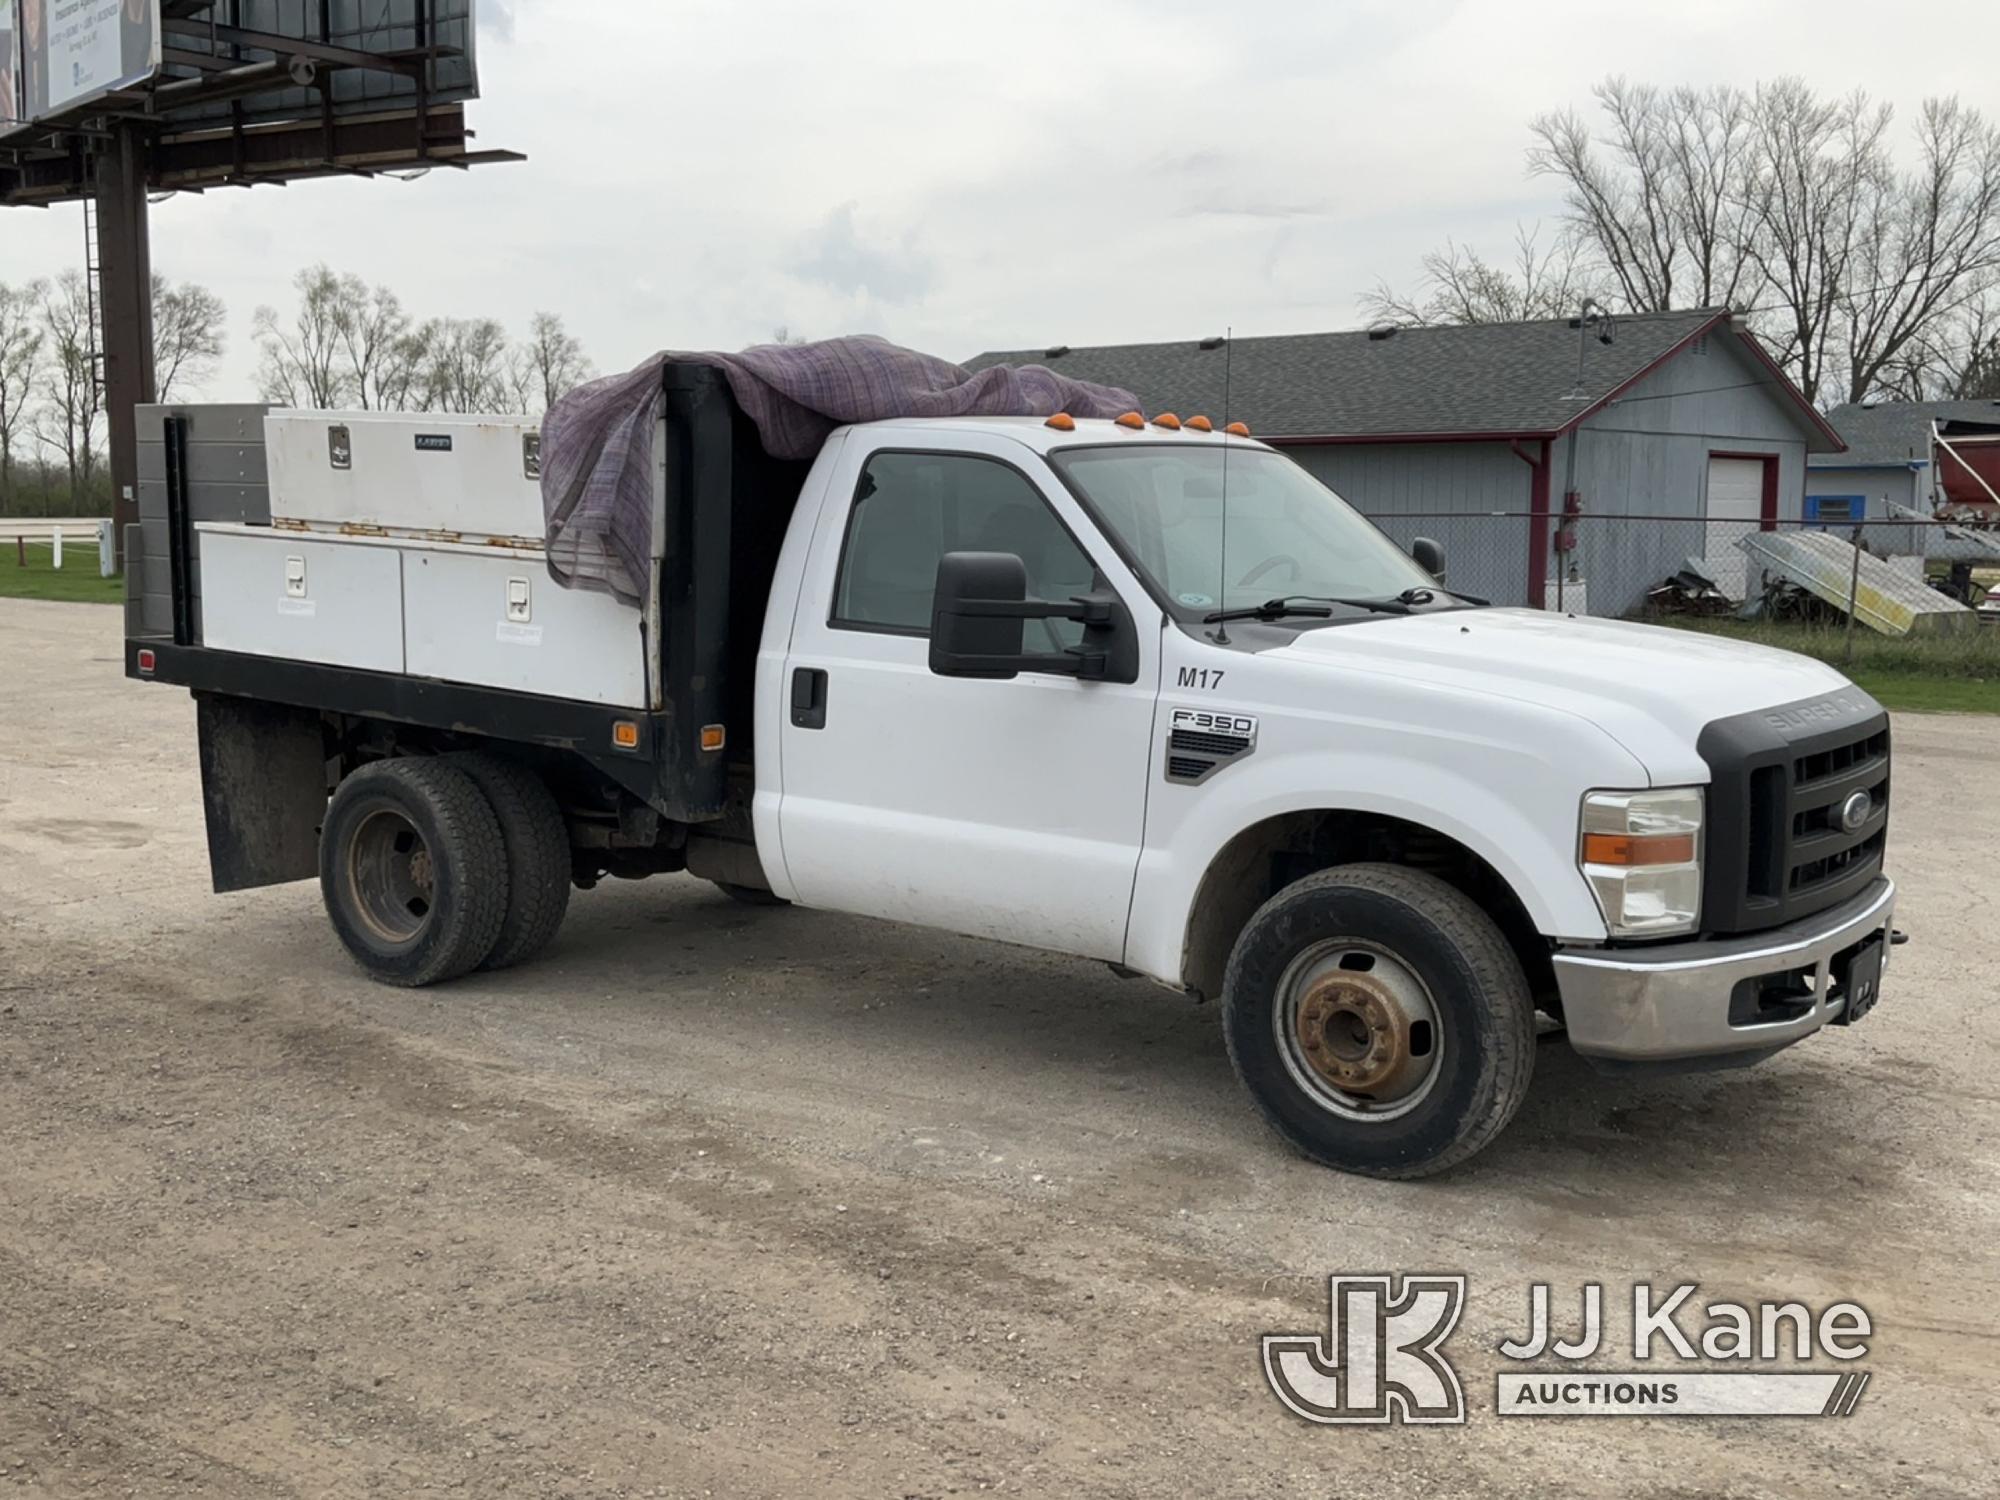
1358	1030
391	878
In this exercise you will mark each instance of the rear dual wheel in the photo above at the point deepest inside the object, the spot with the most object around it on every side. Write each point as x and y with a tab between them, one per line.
431	868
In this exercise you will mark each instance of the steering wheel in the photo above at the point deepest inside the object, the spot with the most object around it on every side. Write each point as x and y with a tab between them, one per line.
1275	560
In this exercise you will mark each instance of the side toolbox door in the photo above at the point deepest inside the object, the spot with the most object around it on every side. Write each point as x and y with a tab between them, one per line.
1005	809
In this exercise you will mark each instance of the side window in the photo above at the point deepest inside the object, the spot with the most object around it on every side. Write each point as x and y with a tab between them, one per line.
912	508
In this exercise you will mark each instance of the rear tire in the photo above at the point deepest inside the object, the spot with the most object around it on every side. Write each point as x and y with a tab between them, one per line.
413	871
1380	1020
538	859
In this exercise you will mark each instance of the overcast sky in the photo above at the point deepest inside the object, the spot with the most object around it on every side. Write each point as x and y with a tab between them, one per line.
963	177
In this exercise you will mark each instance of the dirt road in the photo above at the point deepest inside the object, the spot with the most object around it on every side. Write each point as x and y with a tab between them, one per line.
743	1202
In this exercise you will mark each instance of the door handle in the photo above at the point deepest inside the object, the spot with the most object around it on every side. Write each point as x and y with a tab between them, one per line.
808	698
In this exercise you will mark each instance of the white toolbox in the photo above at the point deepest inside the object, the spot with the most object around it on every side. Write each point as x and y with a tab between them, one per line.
437	476
305	598
459	612
496	618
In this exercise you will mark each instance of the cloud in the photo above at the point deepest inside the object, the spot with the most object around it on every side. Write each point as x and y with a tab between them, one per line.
836	256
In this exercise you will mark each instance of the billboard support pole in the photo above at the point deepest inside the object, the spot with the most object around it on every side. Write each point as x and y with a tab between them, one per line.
125	262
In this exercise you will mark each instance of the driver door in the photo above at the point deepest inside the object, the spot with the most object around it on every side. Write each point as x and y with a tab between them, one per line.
1005	809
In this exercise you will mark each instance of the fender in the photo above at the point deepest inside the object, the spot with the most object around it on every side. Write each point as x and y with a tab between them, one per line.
1529	840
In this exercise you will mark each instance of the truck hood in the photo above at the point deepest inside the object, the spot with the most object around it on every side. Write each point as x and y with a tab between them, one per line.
1652	689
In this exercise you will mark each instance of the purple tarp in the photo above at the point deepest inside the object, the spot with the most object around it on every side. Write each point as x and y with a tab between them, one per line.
597	442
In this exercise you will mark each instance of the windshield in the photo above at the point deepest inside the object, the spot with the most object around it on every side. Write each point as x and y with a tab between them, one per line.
1288	533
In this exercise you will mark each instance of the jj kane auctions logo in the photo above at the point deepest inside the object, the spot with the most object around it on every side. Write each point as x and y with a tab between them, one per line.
1382	1358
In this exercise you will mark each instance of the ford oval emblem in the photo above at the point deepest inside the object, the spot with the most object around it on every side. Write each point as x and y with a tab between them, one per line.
1855	810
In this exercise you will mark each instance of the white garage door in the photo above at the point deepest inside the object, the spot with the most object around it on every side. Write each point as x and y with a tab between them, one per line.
1736	500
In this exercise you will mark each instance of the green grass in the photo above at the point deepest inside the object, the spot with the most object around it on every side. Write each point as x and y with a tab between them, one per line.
1954	673
77	583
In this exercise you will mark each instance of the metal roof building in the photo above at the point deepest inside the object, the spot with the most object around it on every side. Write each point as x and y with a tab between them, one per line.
1476	435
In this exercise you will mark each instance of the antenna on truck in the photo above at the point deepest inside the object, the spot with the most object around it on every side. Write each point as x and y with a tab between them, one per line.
1222	550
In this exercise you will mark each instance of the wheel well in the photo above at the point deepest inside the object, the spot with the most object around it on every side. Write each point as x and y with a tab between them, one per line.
1266	857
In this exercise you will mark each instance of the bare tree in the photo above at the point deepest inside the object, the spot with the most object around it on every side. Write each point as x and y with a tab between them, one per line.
302	363
20	369
372	333
73	400
1817	162
1661	205
1461	286
1779	203
190	327
1922	247
463	365
556	360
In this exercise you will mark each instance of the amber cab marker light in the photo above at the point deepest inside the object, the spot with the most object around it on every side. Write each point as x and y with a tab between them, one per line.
1168	420
1133	420
1062	421
625	735
1237	429
1638	849
1201	424
712	736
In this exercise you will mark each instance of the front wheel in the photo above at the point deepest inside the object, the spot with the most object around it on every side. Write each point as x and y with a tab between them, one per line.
1380	1020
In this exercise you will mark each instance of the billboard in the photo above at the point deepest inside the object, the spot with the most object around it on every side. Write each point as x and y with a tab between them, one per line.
10	71
74	51
403	27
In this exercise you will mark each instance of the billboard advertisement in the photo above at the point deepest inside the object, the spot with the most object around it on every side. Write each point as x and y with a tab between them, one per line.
10	70
73	51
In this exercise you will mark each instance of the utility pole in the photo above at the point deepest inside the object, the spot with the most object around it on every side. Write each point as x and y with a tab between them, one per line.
125	262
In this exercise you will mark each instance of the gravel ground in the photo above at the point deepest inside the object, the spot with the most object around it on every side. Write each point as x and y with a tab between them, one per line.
715	1200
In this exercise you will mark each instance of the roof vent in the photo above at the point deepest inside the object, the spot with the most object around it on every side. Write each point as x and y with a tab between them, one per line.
1057	352
1380	332
1211	343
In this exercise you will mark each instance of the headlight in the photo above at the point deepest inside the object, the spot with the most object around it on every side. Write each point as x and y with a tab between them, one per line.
1641	853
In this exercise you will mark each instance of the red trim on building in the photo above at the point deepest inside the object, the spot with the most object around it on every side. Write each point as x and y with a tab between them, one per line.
1538	528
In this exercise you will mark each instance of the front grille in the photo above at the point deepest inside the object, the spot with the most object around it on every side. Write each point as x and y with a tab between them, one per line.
1779	845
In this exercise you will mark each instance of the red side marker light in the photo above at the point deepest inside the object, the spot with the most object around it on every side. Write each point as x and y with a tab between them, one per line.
147	661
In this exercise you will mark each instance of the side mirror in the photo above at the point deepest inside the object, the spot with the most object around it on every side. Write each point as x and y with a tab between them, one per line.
978	608
969	636
1429	556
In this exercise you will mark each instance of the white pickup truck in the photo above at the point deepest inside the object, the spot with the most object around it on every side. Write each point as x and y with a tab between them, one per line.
1021	679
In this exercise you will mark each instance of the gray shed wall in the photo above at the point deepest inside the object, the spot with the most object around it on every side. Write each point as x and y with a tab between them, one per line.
1646	454
1427	489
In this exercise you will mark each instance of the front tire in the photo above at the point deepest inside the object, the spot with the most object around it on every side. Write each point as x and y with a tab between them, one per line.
413	871
1379	1020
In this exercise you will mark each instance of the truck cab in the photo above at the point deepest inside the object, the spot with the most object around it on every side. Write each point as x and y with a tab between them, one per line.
1142	692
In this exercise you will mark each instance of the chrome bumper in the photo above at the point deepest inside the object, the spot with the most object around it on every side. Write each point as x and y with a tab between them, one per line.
1672	1003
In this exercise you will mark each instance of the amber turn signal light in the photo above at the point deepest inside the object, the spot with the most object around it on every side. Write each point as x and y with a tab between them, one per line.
625	735
712	736
1638	849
